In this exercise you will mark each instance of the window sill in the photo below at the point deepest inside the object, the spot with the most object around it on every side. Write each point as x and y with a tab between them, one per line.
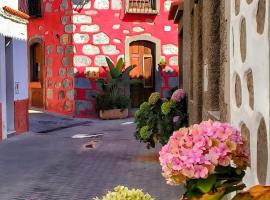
215	115
137	11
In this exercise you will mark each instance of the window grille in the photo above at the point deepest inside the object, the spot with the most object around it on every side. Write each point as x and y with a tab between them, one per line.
142	6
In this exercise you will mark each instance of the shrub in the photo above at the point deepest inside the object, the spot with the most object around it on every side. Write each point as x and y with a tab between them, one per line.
124	193
107	102
161	117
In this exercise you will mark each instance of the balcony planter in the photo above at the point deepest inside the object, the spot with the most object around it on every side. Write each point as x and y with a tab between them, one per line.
113	114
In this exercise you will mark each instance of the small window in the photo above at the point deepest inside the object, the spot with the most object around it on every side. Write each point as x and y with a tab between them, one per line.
32	7
142	6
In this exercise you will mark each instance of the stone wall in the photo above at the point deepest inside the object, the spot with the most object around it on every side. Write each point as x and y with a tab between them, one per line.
78	41
250	81
206	59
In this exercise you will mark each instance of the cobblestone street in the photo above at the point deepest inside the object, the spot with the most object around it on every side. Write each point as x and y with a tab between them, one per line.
49	164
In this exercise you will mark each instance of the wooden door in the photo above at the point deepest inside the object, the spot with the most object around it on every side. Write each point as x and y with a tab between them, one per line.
36	76
142	76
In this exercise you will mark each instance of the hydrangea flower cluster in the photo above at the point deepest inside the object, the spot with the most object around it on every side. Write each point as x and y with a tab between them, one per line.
178	95
154	97
195	152
167	106
145	132
123	193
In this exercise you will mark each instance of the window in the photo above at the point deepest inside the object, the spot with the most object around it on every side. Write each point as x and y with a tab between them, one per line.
32	7
142	6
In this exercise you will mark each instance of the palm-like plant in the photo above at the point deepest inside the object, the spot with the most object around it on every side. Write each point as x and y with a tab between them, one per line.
118	76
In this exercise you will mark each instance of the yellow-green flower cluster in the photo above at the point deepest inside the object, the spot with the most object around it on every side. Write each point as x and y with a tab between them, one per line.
167	106
145	132
123	193
144	106
154	98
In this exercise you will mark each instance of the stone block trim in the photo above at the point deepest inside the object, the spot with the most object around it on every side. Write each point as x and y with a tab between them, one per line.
21	118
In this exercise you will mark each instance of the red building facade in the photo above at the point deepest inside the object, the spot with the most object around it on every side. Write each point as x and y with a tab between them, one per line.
66	41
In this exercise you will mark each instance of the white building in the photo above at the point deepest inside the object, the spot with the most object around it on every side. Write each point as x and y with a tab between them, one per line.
13	69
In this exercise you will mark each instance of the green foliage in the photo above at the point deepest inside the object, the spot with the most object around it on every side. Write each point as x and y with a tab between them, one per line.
113	94
158	116
162	62
167	106
154	97
225	180
123	193
106	102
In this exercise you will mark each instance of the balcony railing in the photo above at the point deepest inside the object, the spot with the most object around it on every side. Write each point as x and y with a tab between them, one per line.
142	6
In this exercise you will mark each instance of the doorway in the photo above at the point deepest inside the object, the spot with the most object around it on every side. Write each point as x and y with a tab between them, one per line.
142	55
36	94
9	85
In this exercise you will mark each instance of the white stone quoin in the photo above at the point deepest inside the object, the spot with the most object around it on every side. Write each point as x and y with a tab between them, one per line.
81	61
100	60
169	49
173	61
101	38
167	28
116	26
101	4
110	50
117	41
80	38
89	49
167	5
82	19
116	4
90	28
138	29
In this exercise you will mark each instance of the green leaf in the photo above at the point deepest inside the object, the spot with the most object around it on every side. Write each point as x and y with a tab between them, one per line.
119	64
113	71
205	185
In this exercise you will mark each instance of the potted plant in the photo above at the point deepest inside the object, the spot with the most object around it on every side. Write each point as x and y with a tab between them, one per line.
162	64
113	102
210	158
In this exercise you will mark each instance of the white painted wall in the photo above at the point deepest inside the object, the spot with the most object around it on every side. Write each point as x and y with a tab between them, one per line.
257	60
20	69
10	3
3	86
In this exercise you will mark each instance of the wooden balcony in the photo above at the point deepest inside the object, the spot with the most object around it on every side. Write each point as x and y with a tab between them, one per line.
142	6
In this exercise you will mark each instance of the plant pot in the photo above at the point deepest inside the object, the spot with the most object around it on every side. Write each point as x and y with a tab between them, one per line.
162	66
113	114
211	196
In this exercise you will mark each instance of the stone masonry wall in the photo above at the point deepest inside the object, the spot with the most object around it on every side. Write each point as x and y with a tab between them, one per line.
58	54
205	34
77	42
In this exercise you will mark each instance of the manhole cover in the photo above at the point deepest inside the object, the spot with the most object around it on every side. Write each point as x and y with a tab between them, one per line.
91	145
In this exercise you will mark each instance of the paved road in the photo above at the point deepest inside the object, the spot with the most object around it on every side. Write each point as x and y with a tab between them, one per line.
51	165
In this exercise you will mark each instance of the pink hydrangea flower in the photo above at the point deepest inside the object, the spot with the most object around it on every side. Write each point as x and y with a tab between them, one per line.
178	95
195	152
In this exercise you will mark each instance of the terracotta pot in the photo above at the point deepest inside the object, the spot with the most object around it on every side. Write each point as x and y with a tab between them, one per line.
162	66
113	114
